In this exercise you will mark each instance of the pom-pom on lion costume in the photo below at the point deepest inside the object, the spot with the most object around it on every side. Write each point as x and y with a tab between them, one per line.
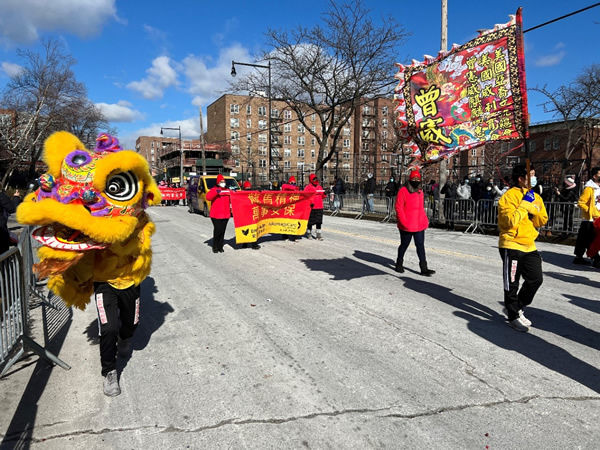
91	210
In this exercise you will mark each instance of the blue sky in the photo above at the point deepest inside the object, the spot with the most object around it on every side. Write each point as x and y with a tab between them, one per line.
150	63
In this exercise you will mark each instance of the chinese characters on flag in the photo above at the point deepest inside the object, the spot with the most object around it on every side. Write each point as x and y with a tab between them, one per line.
168	193
258	213
473	94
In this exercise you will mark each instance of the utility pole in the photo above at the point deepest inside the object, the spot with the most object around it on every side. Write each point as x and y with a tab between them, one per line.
202	143
444	47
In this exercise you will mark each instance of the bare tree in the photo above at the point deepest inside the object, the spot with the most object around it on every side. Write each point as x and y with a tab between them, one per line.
42	98
577	105
328	69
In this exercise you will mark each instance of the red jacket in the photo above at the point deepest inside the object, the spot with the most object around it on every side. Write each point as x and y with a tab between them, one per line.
317	199
410	210
219	209
289	187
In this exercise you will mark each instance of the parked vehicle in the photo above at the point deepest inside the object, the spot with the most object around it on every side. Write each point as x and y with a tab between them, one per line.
198	186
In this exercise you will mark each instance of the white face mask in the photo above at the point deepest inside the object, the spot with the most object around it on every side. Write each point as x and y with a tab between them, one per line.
222	184
533	181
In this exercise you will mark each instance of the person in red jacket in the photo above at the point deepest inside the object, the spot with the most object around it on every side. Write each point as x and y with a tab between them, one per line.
290	186
220	212
412	222
316	213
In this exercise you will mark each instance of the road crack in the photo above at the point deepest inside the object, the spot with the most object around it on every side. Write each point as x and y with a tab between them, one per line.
283	420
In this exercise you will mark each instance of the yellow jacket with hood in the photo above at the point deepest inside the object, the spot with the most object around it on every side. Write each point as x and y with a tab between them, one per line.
518	220
587	201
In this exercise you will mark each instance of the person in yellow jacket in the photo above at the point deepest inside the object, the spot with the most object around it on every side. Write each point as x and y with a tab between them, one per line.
589	201
520	212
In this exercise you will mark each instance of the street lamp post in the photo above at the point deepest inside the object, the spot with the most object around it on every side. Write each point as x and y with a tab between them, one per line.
268	66
180	152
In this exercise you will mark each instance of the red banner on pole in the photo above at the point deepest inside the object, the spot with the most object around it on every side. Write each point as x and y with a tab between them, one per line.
473	94
168	193
258	213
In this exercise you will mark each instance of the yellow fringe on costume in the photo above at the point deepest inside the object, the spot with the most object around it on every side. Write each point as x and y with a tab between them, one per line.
122	226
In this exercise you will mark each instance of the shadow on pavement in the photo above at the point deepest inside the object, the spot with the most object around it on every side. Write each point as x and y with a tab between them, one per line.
381	260
577	279
19	432
564	327
590	305
152	316
497	332
377	259
562	260
342	268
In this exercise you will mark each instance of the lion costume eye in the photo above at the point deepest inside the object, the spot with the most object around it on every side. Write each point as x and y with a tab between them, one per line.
122	186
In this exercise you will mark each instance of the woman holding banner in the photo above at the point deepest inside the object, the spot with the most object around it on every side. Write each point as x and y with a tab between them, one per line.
220	212
316	213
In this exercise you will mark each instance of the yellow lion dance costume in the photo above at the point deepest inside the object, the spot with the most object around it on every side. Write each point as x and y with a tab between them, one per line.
91	210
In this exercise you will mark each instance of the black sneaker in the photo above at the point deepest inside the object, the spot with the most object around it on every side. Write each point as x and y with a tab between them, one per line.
581	261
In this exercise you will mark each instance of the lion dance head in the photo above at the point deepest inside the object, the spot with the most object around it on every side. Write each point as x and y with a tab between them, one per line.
90	212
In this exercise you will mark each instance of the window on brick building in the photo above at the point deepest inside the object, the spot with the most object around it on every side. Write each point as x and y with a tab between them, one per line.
262	124
234	109
300	140
262	163
384	110
548	143
248	109
287	140
287	152
300	153
287	114
249	137
262	110
555	143
287	164
234	122
287	128
347	143
248	123
235	135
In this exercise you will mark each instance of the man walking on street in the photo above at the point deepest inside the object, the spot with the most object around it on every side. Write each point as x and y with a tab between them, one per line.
589	203
520	212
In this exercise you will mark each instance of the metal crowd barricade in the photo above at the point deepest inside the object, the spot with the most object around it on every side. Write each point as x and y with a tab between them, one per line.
563	218
14	310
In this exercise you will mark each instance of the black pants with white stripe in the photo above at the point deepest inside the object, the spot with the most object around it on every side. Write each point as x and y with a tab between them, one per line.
118	316
517	264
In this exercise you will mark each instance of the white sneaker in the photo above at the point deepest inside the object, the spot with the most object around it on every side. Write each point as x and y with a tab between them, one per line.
524	319
111	384
518	325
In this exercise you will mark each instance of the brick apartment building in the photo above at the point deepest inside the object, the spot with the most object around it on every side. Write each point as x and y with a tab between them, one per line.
163	156
365	143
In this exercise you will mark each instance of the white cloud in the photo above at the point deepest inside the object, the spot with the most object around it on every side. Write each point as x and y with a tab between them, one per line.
550	60
119	112
11	69
21	21
208	81
160	76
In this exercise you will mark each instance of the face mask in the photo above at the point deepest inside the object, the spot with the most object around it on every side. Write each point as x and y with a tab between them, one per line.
369	176
489	188
222	184
392	180
415	183
477	179
466	181
533	181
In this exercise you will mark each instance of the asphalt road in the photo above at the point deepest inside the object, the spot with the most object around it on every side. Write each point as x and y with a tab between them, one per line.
320	344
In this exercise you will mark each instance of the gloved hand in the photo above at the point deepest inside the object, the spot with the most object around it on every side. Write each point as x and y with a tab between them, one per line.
529	197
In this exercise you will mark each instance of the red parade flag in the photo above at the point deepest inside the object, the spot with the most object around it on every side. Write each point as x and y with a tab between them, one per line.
473	94
258	213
